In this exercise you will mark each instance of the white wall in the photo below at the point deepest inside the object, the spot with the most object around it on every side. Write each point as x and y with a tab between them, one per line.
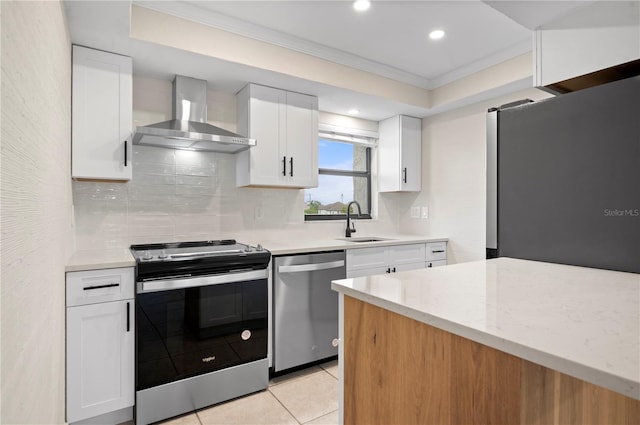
182	195
36	209
453	179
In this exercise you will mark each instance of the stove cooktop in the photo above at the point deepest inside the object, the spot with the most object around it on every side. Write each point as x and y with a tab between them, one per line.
186	259
177	251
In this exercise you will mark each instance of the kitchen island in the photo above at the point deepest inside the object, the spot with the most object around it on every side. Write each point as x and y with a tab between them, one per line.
497	341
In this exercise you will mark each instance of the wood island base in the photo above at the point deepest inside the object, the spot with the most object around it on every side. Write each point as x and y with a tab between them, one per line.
401	371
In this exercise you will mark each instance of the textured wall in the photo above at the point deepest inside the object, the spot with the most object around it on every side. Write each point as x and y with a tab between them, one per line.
36	209
182	195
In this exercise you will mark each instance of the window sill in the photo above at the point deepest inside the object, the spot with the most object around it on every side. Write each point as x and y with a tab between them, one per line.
334	217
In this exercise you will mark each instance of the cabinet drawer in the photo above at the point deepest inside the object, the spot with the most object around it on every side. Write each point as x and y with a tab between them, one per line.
366	272
406	254
98	286
412	266
366	258
436	251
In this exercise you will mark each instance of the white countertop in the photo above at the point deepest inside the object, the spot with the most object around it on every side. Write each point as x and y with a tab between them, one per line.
579	321
112	258
285	247
100	259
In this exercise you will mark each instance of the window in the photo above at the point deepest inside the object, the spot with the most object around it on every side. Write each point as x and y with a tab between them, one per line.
344	175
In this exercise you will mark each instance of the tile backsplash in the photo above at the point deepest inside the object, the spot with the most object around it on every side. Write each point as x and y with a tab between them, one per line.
184	195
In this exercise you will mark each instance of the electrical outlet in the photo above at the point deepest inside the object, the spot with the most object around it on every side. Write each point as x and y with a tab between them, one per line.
257	213
425	212
415	212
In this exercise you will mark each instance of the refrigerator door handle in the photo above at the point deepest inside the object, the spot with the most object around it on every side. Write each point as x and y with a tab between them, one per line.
492	180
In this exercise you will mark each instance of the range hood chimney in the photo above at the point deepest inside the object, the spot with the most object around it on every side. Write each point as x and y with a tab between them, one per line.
189	129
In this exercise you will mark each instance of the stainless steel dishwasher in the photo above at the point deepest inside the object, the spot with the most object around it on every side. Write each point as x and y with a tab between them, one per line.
305	308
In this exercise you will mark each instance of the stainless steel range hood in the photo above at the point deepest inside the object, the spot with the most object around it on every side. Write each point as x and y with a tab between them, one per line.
189	129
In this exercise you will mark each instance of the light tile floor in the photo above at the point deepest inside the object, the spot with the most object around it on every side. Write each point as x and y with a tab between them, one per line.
308	397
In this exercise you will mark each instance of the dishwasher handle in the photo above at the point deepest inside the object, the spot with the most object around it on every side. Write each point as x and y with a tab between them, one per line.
311	267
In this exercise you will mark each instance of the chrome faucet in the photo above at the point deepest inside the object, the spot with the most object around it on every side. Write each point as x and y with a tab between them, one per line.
350	226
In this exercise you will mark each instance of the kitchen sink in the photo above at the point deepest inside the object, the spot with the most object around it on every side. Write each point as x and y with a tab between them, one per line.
365	239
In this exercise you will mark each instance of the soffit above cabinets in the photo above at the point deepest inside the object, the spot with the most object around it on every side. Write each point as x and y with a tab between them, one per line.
389	40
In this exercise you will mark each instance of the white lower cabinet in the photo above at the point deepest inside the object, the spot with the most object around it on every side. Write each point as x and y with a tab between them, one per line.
392	259
100	343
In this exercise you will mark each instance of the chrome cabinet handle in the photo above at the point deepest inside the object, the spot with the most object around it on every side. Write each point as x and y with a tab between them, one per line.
284	165
125	153
404	172
435	252
291	166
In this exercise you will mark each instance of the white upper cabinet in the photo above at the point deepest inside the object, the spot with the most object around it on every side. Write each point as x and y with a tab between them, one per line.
601	35
399	154
285	125
101	115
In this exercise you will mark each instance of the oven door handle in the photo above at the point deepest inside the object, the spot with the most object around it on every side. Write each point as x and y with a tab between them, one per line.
311	267
192	282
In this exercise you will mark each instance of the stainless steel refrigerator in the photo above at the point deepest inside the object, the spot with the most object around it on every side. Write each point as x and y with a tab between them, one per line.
563	178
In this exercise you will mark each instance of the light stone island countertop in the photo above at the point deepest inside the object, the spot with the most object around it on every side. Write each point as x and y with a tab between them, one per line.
112	258
580	321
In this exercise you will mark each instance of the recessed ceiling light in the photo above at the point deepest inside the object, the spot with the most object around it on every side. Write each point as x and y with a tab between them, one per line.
354	111
436	34
361	5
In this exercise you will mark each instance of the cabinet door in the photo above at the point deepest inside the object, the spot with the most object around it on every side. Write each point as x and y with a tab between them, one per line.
389	155
399	154
302	140
100	359
366	258
410	154
267	124
101	115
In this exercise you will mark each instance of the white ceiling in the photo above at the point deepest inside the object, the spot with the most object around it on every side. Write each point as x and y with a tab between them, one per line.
390	39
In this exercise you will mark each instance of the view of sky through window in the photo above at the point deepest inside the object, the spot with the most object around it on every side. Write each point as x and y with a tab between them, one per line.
334	156
335	191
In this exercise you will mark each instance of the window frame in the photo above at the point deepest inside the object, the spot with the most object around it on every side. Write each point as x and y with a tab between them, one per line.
346	173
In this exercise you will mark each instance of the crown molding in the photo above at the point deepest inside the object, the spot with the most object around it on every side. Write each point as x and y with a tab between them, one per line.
482	64
503	90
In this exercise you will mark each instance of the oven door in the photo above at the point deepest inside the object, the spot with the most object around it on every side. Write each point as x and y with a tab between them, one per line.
190	327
